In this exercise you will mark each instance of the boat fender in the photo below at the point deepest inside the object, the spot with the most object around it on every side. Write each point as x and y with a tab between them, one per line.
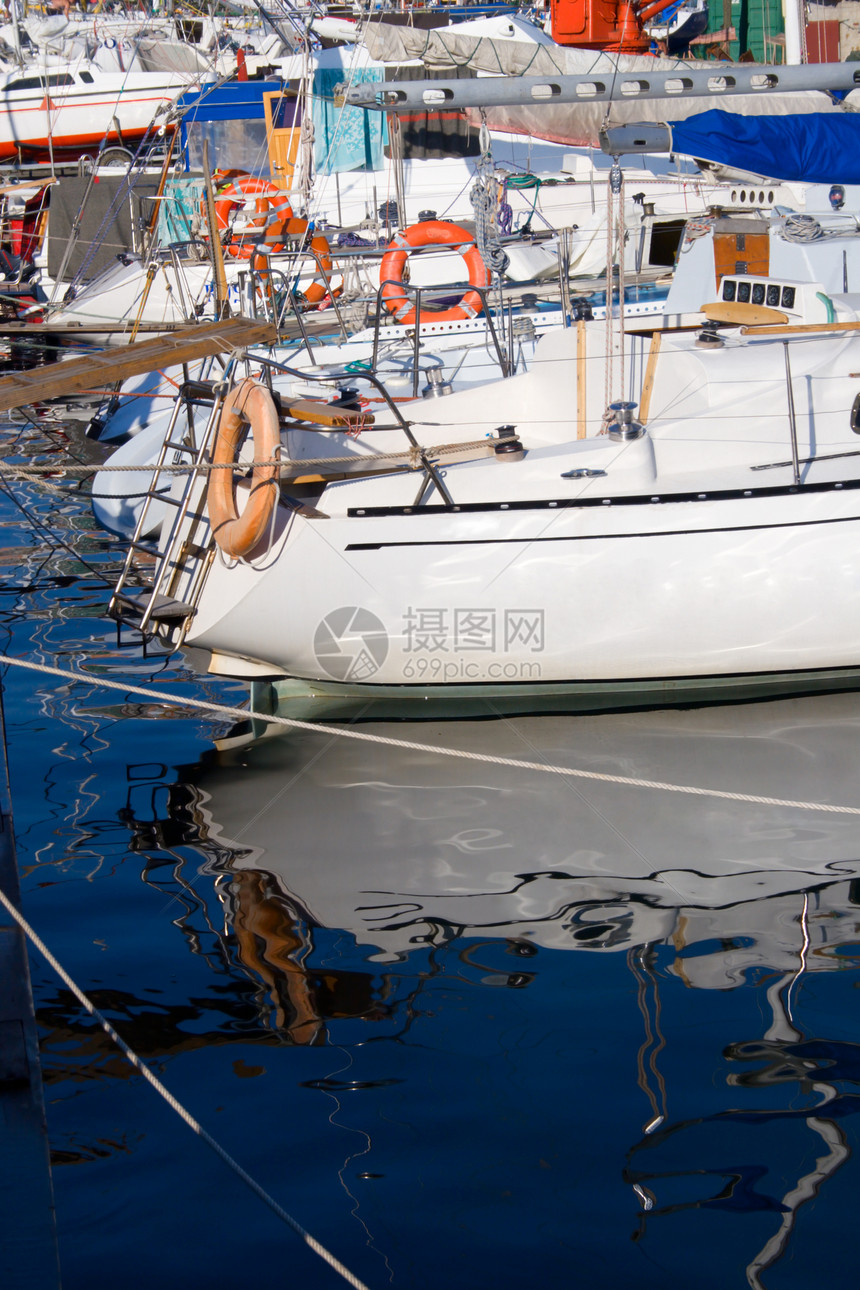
431	233
238	533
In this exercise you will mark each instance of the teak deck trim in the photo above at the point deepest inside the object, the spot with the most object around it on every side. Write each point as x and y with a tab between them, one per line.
18	389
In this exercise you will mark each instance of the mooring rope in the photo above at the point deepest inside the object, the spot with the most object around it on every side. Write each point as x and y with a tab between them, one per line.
409	745
177	1106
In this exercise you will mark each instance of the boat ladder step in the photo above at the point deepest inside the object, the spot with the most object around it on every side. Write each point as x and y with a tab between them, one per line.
178	446
164	608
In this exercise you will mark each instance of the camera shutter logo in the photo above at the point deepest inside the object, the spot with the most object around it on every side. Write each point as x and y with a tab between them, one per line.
351	644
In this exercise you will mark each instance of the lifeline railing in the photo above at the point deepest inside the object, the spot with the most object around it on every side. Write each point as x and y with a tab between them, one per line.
417	294
178	549
432	474
259	285
276	289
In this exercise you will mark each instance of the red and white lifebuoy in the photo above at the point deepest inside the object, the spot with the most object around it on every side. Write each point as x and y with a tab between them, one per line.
431	232
233	190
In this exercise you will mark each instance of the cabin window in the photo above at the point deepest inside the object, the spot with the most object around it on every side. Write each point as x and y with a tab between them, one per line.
666	237
40	82
87	78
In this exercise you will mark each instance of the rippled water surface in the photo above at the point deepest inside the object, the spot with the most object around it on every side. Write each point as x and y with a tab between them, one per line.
472	1026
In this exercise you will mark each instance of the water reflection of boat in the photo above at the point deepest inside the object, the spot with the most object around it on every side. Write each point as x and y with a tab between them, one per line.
405	850
356	878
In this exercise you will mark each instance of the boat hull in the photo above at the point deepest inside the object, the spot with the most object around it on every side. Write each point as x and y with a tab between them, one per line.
661	594
45	120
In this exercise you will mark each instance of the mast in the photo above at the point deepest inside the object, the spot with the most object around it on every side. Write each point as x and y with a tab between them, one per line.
16	32
794	23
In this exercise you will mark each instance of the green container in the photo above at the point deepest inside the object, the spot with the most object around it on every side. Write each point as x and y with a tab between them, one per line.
758	25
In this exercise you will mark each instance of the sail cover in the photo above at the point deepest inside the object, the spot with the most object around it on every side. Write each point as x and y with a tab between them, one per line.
816	147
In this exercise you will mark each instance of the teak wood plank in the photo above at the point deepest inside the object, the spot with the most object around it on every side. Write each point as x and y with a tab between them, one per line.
323	414
740	311
799	329
75	374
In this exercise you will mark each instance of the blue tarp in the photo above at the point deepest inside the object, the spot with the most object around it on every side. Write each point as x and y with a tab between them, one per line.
819	147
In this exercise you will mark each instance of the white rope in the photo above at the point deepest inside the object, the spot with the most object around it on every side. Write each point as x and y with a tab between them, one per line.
180	1110
515	763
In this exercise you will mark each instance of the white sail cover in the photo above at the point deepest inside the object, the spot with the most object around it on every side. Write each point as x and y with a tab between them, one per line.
527	51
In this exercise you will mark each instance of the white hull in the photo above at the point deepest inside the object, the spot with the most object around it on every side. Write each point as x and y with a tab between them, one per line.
57	109
664	591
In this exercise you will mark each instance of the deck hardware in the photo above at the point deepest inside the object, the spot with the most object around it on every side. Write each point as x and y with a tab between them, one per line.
855	414
624	428
509	446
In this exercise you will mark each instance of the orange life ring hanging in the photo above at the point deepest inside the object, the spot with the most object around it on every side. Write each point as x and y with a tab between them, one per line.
238	533
431	232
232	190
275	239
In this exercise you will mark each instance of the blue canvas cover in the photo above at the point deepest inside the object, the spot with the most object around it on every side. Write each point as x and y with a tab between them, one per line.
818	147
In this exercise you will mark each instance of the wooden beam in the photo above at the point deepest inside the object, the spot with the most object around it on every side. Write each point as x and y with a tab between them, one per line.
324	414
581	357
219	276
797	329
18	389
69	329
650	373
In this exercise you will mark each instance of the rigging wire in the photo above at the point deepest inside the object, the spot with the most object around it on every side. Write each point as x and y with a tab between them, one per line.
131	1056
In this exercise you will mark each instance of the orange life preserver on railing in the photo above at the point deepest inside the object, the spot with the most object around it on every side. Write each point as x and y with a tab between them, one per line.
431	232
232	190
275	239
238	533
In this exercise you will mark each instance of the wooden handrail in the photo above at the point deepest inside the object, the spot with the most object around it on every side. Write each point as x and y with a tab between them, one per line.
798	329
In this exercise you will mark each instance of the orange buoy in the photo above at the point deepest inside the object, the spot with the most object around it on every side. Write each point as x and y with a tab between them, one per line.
431	232
238	533
233	190
275	239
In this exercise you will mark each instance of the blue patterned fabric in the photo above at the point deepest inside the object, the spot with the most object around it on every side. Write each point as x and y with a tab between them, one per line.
346	138
177	211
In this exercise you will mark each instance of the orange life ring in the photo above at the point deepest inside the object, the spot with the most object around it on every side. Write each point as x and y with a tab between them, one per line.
237	534
275	239
431	232
233	188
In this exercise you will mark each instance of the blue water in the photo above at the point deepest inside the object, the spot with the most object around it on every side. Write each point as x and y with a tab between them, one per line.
471	1026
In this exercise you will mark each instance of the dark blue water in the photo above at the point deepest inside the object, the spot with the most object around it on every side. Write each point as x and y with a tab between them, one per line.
471	1026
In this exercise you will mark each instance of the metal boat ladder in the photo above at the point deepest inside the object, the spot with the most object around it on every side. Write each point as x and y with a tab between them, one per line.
153	608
